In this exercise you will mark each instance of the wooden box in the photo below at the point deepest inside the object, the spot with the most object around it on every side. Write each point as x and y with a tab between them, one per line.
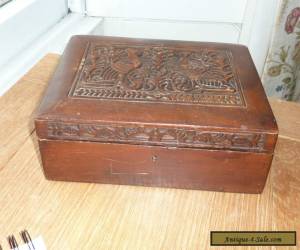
157	113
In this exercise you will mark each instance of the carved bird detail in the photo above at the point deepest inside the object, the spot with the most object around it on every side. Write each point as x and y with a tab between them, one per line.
130	62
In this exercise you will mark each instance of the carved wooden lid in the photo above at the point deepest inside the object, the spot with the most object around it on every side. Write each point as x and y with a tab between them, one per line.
165	93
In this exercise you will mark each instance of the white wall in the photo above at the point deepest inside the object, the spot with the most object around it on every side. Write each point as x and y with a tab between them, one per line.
192	10
167	29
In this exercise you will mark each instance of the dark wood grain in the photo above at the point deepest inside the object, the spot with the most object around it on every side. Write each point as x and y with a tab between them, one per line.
202	102
155	166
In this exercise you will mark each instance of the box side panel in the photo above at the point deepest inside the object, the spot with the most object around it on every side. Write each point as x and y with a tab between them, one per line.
155	166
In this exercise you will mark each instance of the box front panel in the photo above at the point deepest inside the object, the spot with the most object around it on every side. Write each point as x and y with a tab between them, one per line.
155	166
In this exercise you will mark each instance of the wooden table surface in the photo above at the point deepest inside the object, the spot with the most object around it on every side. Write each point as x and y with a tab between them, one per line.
95	216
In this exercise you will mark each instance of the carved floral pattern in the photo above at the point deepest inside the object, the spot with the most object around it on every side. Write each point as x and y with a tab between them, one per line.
163	136
158	73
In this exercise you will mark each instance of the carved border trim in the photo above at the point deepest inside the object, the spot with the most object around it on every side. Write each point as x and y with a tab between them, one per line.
159	136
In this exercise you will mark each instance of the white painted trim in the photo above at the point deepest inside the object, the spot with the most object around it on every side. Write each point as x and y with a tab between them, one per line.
77	6
229	11
52	41
12	8
247	23
19	29
260	18
170	29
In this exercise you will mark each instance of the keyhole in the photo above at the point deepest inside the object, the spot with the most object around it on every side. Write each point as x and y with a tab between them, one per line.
154	158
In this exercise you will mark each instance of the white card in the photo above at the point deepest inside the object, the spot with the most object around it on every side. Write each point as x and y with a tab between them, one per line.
38	244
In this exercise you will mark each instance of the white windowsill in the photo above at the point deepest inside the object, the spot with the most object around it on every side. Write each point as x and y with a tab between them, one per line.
53	41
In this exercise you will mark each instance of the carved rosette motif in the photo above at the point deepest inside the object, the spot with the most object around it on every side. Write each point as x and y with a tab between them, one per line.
163	136
158	74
